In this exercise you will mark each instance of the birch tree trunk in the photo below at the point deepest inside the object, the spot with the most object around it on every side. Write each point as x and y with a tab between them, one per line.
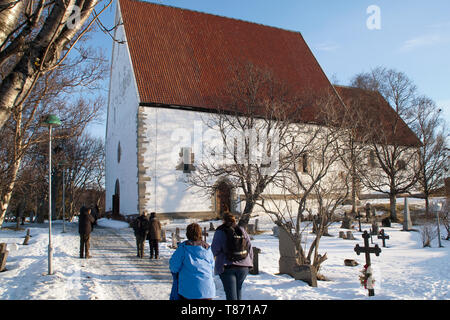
41	53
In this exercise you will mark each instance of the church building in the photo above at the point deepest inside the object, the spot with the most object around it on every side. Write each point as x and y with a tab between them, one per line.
167	64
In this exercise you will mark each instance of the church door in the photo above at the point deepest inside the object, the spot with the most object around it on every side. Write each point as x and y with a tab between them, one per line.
116	200
223	198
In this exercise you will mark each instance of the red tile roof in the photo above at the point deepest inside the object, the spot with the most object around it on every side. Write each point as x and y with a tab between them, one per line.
377	112
182	57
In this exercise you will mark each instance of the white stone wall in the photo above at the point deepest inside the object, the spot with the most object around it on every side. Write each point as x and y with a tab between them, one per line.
167	131
123	102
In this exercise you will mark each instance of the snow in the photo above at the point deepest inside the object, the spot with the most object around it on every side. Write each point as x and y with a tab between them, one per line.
114	224
404	270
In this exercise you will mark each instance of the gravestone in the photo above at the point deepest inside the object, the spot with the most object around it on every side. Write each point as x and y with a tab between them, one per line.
359	216
407	224
375	228
163	235
174	241
256	225
288	261
205	234
276	231
386	222
350	236
346	222
3	256
383	237
368	211
211	227
342	235
350	263
251	229
27	238
255	269
367	250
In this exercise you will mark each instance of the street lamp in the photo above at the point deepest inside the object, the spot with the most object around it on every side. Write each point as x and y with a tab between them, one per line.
50	121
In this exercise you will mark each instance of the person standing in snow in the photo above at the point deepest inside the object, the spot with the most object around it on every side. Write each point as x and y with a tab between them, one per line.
85	228
192	264
233	251
140	227
154	235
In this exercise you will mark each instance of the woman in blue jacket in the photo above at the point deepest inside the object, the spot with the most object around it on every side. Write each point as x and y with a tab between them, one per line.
193	262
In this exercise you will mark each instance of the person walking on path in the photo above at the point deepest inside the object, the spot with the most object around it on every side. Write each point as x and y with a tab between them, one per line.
154	236
233	251
85	228
192	266
140	227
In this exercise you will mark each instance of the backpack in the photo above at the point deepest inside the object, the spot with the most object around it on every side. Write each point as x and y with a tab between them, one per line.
141	224
237	244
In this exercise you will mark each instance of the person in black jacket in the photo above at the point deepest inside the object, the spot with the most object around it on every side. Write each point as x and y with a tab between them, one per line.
140	227
84	228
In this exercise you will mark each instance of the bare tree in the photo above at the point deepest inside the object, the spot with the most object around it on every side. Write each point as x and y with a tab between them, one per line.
314	184
353	147
35	38
430	129
393	143
251	133
50	95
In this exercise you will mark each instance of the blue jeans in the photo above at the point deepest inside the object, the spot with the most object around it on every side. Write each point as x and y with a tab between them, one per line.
232	280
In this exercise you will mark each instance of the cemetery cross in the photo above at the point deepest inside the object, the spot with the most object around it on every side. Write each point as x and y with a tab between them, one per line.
367	249
383	237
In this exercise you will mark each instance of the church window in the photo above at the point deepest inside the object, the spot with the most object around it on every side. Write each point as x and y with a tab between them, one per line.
187	160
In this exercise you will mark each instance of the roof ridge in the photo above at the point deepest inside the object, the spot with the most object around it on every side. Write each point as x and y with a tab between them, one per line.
214	14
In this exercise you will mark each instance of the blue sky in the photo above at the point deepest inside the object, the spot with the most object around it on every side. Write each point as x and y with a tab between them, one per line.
414	36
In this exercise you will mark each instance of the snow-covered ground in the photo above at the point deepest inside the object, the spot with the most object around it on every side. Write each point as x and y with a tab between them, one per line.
404	270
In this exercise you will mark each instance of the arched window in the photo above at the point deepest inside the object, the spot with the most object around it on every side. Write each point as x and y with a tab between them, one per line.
119	153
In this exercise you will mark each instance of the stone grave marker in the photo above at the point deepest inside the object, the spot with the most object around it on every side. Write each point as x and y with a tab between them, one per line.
276	231
255	269
375	228
367	250
350	236
288	261
211	227
3	256
174	241
342	235
383	237
407	224
368	211
350	263
256	225
359	216
27	238
163	235
251	228
386	222
346	222
205	234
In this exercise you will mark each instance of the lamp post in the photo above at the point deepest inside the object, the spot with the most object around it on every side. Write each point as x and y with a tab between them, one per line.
50	121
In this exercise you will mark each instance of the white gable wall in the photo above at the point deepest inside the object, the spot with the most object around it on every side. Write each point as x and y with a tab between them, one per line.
123	102
168	130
